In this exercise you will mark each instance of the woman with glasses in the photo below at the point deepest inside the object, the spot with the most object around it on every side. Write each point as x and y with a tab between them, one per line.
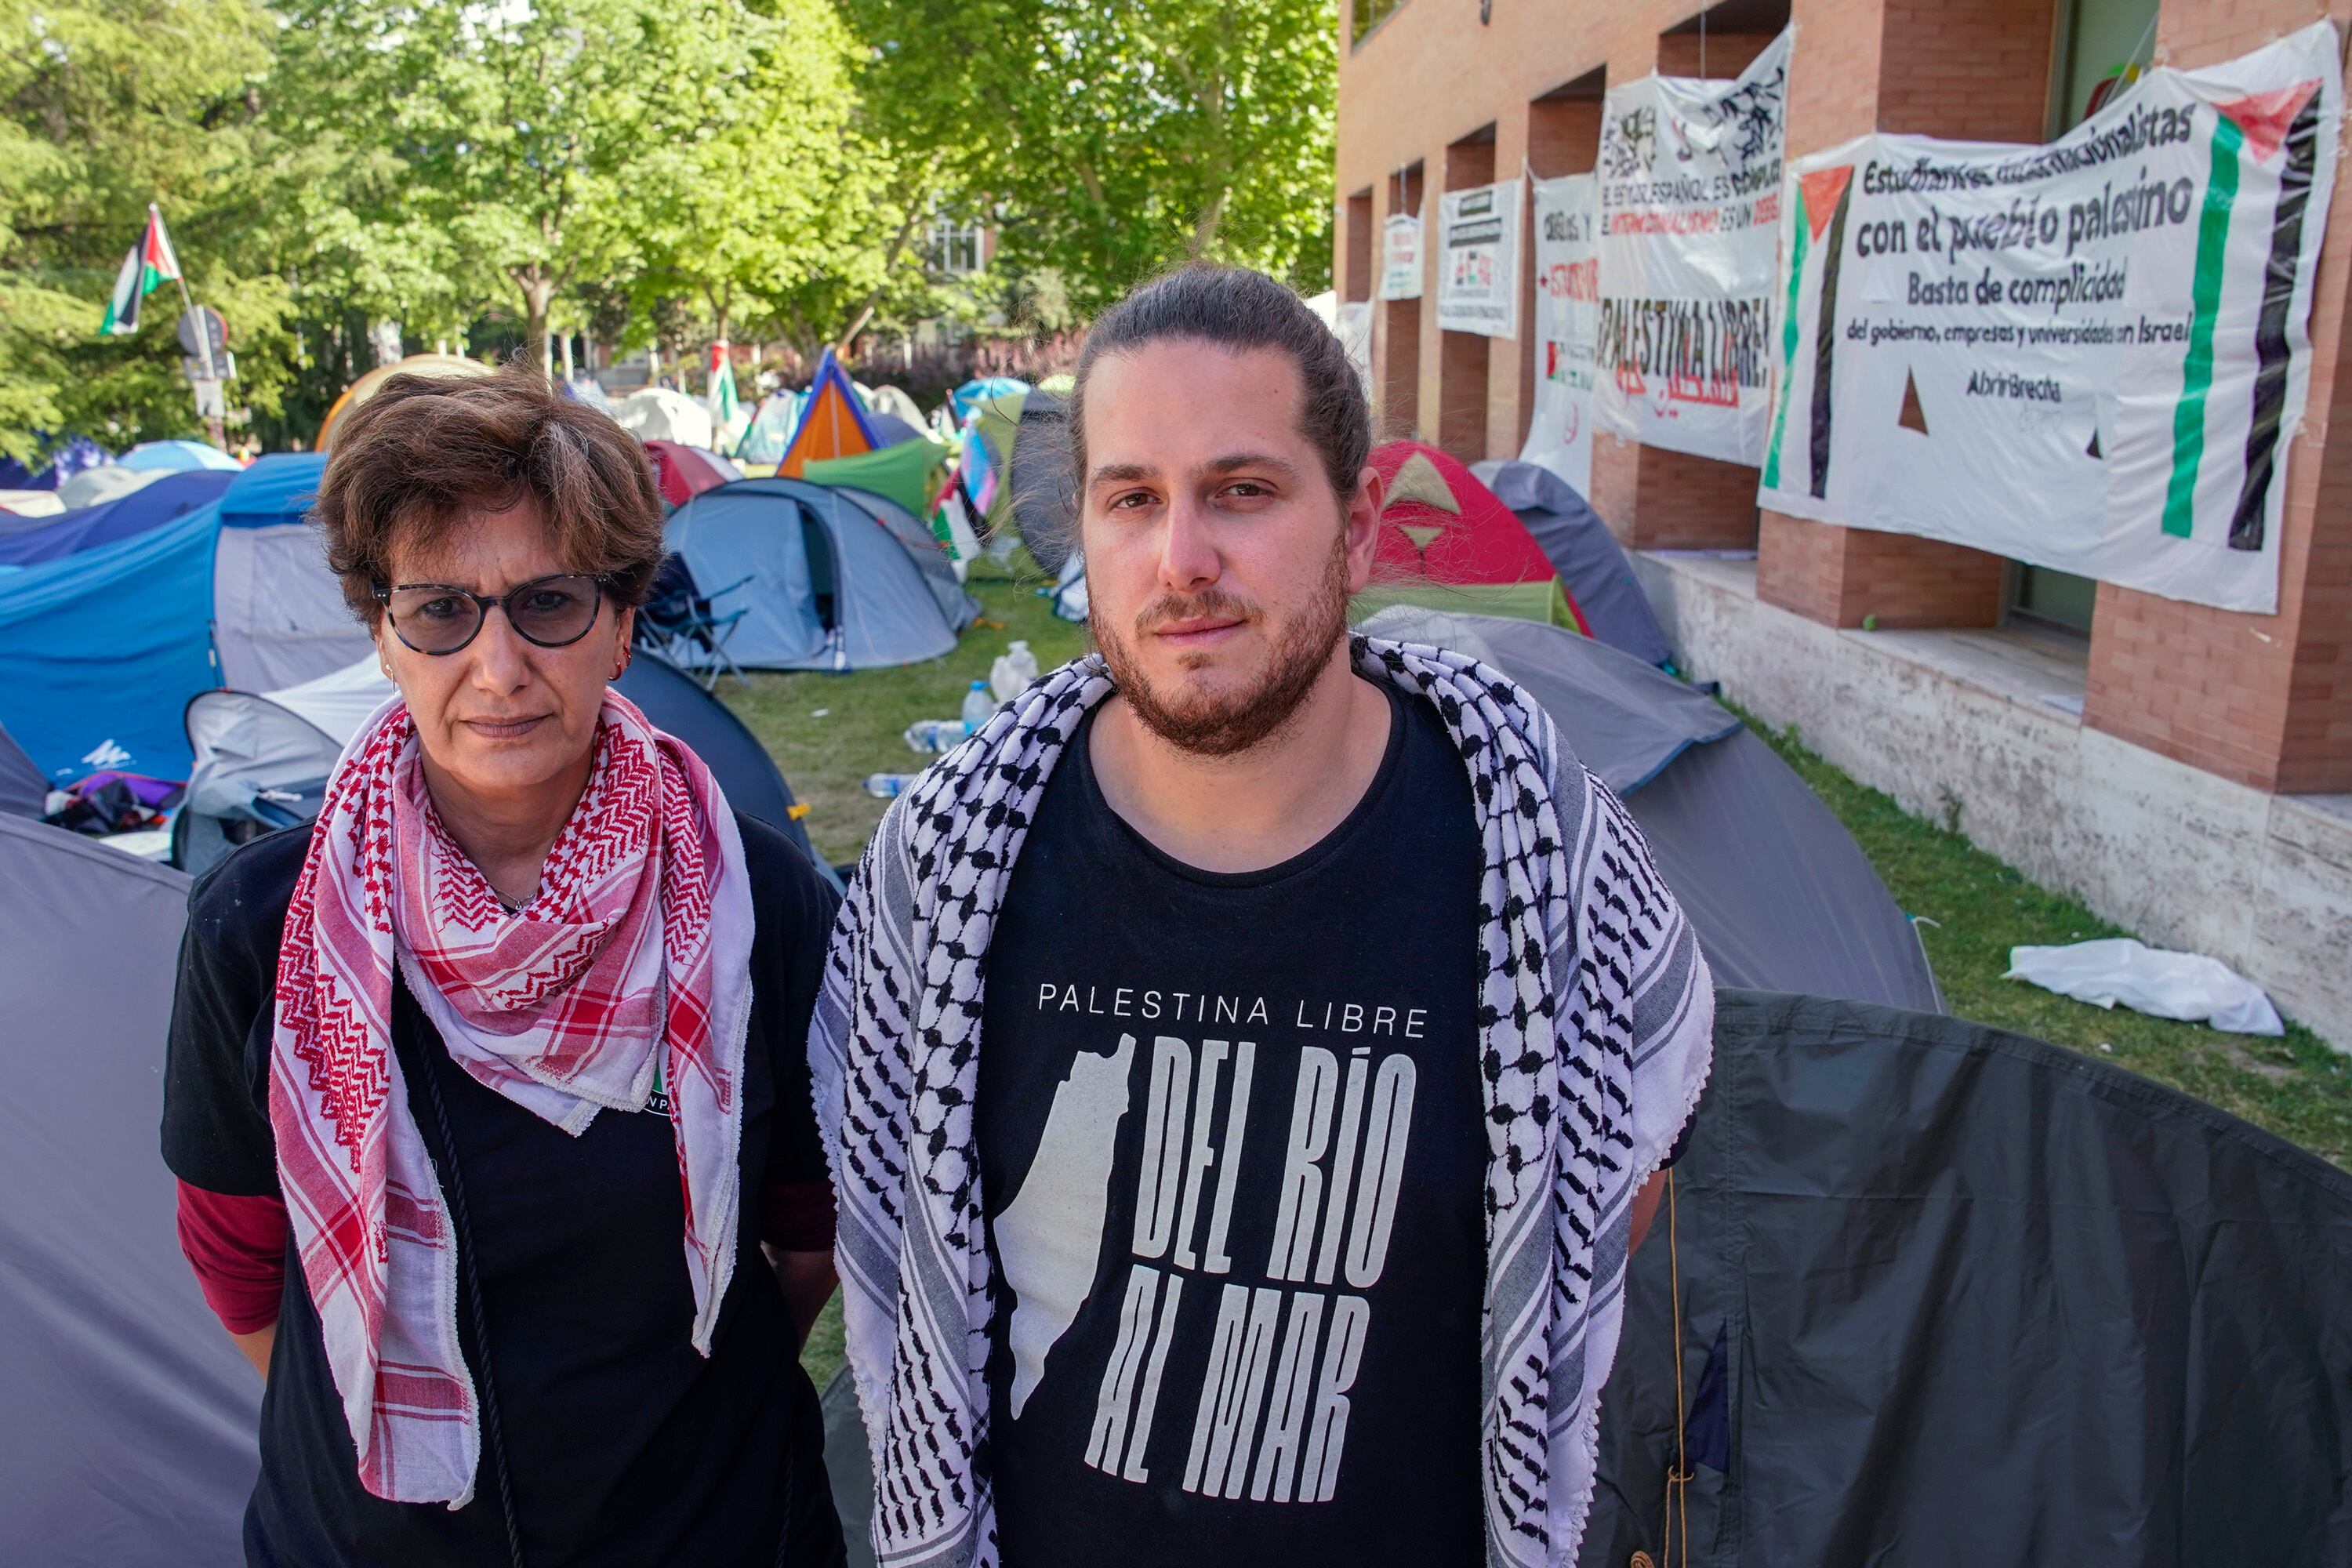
487	1092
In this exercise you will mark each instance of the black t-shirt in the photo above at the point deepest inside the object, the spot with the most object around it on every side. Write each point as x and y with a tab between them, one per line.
1232	1157
625	1444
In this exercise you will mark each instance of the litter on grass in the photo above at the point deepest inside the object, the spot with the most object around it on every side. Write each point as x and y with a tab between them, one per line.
2189	986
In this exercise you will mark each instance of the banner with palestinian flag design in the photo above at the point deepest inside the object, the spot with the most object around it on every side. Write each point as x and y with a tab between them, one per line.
2091	355
150	264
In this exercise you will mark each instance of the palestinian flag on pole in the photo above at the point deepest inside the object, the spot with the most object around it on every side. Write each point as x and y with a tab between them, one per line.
151	262
719	393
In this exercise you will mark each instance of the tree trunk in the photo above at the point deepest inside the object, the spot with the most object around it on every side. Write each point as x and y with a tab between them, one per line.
537	294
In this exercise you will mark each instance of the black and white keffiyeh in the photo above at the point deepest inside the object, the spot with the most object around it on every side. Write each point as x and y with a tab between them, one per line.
1595	1020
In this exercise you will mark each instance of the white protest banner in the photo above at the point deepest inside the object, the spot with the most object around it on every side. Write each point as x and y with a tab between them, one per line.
1478	260
1690	208
1400	257
2091	355
1567	295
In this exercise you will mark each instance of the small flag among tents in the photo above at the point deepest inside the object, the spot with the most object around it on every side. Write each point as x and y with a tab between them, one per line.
720	395
149	263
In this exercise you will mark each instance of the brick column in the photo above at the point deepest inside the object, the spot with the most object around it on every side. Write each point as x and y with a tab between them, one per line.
1968	69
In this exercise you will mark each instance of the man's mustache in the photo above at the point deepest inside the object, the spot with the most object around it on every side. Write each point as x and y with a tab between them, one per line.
1209	603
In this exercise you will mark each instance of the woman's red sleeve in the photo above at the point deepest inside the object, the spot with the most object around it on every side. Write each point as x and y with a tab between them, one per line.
797	1217
237	1248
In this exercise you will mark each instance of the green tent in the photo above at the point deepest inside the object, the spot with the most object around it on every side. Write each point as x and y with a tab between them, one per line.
904	473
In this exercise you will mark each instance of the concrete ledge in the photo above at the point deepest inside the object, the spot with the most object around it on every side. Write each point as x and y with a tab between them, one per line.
1982	729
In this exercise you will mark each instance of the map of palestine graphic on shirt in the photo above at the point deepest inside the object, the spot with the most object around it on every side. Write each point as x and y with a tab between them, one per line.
1232	1157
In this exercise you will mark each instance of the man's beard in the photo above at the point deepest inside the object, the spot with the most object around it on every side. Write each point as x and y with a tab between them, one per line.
1226	725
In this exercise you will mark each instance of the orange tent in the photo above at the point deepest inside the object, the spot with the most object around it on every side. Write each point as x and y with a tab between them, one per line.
832	423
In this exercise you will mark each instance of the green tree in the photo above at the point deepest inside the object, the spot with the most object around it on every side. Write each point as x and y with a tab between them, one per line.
1110	141
104	109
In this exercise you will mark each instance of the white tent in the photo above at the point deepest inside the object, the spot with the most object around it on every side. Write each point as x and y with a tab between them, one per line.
108	481
659	414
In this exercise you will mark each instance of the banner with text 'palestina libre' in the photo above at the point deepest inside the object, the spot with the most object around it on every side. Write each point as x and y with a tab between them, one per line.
1568	297
2091	355
1478	260
1690	209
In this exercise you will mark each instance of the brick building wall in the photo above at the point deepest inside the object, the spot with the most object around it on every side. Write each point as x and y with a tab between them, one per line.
2262	699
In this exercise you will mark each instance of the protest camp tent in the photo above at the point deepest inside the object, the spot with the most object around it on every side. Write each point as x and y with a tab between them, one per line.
906	471
1446	541
129	1441
996	420
456	367
663	413
1779	894
108	481
179	456
100	650
832	421
23	790
31	503
893	401
1953	1296
826	578
1587	556
683	472
979	390
263	759
770	429
169	496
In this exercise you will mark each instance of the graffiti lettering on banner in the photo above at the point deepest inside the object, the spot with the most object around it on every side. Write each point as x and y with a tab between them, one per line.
2091	355
1690	200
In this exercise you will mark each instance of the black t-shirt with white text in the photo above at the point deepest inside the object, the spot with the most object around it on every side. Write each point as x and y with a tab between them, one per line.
1232	1157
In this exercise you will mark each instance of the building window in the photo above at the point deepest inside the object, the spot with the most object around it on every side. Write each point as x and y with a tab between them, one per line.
1370	13
955	248
2059	600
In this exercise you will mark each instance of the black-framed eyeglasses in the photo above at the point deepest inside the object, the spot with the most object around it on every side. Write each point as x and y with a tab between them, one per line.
435	618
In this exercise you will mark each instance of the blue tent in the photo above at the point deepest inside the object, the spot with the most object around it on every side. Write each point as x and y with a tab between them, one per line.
178	457
973	392
100	651
149	506
826	578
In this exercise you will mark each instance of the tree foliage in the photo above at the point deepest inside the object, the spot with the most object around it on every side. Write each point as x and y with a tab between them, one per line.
478	172
1112	141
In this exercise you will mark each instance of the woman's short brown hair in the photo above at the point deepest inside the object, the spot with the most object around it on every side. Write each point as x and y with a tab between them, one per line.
425	453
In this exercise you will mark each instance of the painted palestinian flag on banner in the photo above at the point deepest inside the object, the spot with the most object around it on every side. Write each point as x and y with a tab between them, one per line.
719	395
2091	355
149	264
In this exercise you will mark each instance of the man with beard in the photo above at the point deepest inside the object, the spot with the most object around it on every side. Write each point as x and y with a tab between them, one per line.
1245	1063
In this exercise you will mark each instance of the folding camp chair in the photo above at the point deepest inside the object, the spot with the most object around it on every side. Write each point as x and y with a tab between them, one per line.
680	625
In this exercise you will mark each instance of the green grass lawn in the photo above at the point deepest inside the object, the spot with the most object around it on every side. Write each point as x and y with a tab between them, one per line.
2296	1085
828	732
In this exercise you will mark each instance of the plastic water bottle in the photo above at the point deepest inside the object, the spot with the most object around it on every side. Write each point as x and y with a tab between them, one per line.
935	734
978	704
889	786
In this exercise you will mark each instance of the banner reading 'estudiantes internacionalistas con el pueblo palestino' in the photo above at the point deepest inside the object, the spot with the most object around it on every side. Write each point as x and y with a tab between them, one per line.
2091	355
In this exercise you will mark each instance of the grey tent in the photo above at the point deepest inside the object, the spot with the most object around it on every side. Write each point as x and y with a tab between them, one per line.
1779	892
128	1433
1045	497
1955	1296
262	761
23	790
1583	552
826	578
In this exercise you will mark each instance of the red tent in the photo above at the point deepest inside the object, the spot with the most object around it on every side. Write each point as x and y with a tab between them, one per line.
683	472
1448	543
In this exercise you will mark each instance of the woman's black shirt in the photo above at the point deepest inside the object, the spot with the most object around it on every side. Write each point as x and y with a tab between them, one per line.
622	1444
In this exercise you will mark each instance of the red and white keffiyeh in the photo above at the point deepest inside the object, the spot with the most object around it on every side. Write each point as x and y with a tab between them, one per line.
632	960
